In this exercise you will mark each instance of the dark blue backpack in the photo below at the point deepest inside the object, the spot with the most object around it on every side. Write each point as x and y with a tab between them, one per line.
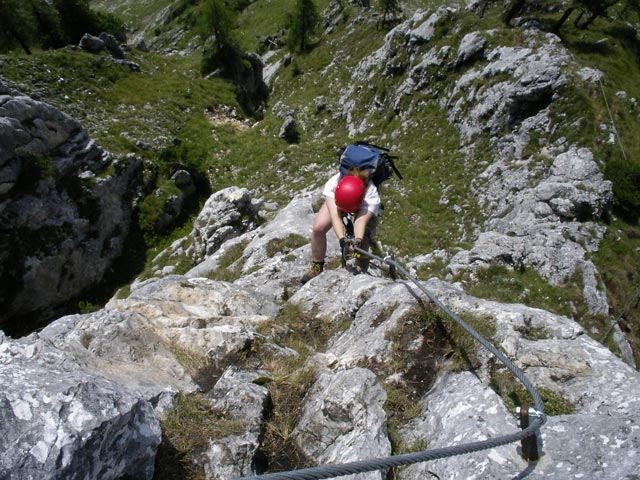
365	156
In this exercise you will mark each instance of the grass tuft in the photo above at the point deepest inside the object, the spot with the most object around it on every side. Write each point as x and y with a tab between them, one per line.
186	432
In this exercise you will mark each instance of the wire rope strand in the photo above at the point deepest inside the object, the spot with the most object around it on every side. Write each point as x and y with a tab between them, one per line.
615	321
615	129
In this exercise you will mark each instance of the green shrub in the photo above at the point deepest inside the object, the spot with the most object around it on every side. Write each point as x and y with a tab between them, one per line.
287	395
497	282
77	18
304	21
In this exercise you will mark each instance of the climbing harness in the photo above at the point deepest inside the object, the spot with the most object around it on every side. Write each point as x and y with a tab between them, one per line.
530	418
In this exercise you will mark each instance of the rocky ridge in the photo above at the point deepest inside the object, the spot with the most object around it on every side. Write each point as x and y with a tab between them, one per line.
126	356
65	203
541	215
83	397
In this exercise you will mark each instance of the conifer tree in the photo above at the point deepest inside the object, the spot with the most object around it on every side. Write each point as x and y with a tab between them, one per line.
303	24
49	26
77	19
17	25
217	23
389	7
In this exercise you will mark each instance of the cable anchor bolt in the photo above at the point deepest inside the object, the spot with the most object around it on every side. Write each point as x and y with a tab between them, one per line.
530	450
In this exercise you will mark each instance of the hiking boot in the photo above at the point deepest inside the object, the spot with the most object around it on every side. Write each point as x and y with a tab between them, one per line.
315	270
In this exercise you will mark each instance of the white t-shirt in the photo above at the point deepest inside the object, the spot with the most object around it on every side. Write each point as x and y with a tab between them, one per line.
371	200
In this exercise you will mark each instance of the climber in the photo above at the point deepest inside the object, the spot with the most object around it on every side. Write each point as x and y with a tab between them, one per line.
352	193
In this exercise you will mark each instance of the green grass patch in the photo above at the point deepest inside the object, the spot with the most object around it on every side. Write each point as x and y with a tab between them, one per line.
123	110
514	394
499	283
228	270
197	365
285	245
617	261
287	395
289	381
295	329
186	433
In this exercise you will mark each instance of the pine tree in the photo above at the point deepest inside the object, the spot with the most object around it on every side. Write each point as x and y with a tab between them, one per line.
17	25
303	24
217	22
48	24
77	19
388	7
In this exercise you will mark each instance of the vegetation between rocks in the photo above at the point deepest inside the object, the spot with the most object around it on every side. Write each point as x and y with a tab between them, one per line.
187	430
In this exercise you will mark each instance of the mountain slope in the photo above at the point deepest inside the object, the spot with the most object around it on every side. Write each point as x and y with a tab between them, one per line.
504	136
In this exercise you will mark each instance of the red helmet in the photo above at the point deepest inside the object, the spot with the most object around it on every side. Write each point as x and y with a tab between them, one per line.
349	193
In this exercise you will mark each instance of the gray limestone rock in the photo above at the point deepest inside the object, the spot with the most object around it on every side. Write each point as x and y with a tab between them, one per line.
460	409
240	399
215	320
60	420
111	44
343	420
367	338
471	46
66	224
226	214
274	256
91	43
289	130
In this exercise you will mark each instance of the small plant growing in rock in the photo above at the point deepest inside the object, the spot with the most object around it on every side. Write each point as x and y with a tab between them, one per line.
228	270
197	365
514	394
186	433
531	332
287	393
86	339
285	245
295	329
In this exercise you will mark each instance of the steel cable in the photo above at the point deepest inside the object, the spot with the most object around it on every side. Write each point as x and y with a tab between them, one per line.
350	468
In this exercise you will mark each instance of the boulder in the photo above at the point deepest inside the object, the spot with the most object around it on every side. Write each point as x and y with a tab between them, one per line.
111	44
225	215
240	399
460	409
289	130
471	46
91	43
66	209
60	420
